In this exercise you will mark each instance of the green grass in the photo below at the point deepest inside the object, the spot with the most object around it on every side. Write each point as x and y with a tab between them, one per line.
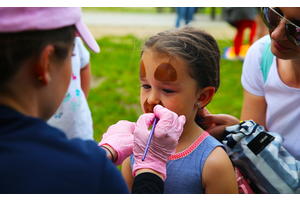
229	97
117	98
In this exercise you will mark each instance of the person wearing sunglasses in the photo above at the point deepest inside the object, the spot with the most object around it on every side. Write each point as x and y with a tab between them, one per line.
271	77
271	81
270	99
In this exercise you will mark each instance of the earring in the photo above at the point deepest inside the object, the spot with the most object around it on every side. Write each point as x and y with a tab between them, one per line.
198	105
40	78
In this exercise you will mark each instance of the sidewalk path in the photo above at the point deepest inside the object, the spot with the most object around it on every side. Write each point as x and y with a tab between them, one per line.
145	24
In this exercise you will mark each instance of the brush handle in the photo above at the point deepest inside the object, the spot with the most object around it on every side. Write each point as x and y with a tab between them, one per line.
149	139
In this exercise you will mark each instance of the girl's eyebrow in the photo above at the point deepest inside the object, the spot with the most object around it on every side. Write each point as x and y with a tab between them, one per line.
167	82
162	82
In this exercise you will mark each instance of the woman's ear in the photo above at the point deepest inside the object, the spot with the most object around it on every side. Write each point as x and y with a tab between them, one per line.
43	65
205	96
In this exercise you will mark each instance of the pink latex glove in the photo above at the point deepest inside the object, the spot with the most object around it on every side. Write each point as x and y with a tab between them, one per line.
119	137
164	140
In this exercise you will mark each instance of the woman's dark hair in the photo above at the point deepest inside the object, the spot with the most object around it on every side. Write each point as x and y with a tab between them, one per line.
16	48
198	49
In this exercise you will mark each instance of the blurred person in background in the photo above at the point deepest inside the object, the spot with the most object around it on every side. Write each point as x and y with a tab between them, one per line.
241	18
186	14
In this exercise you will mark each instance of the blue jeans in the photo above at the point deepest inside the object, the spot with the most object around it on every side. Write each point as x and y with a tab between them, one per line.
186	13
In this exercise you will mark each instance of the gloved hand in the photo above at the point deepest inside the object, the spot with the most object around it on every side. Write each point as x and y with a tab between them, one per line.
164	140
119	137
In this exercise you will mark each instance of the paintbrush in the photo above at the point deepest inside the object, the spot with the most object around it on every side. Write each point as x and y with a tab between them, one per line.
149	139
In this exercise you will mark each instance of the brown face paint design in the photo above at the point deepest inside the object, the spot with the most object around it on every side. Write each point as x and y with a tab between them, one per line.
142	70
165	72
149	108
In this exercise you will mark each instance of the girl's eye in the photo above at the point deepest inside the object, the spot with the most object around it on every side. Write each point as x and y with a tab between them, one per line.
146	86
168	91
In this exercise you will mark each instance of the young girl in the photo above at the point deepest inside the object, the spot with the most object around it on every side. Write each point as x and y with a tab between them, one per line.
179	70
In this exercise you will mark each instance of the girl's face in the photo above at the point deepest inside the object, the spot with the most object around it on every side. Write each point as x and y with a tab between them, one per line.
281	46
167	82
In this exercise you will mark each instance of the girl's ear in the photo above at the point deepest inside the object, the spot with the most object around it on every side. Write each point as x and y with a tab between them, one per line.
205	96
43	65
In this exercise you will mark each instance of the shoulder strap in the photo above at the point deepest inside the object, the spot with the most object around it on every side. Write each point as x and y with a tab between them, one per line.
266	59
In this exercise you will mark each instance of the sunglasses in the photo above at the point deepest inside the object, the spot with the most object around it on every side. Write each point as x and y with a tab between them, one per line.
271	18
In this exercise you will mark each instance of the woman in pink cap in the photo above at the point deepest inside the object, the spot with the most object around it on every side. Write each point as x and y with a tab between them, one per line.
36	49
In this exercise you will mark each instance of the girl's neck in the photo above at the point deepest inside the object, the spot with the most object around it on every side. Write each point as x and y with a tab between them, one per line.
191	132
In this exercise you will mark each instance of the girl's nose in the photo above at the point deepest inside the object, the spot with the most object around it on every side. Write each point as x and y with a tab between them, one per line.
153	98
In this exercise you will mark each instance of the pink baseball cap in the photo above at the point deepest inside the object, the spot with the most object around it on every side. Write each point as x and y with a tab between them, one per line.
17	19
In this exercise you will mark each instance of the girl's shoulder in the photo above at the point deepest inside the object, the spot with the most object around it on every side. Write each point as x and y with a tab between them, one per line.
218	174
217	153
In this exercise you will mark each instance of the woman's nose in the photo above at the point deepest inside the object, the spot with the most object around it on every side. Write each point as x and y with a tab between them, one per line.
279	32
